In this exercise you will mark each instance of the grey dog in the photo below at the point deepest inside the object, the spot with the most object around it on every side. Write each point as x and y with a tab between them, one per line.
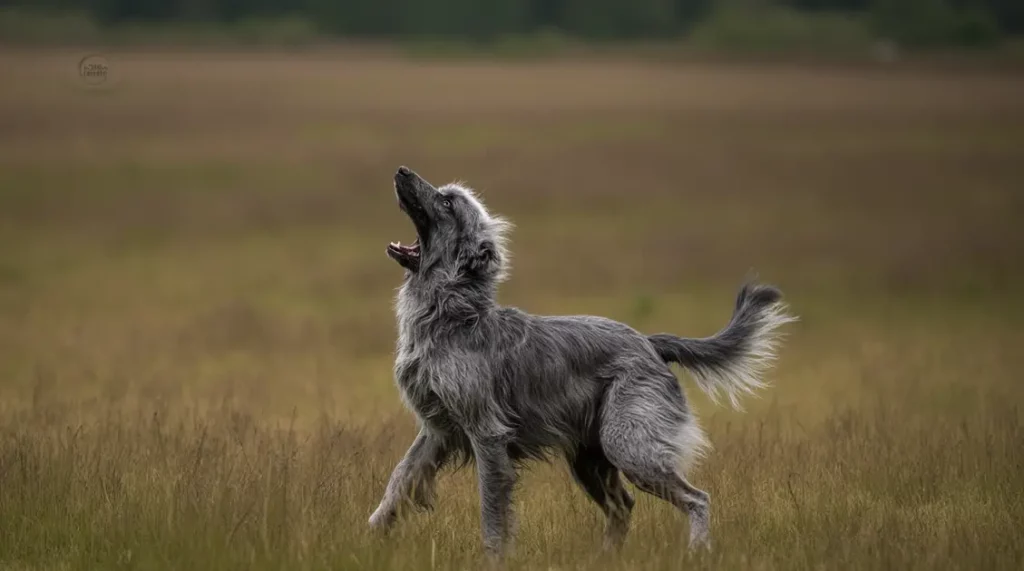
498	386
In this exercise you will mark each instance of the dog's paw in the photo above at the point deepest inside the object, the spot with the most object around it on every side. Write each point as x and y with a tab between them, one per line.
701	544
381	520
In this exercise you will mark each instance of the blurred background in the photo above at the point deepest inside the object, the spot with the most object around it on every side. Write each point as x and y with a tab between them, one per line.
196	322
527	25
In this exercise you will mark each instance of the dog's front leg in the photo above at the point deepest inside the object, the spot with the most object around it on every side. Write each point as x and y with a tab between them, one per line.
413	478
497	478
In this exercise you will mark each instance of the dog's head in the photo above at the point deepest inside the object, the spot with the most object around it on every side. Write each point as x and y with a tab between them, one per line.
454	232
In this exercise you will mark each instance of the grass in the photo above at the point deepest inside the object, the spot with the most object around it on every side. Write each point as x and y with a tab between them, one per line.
196	326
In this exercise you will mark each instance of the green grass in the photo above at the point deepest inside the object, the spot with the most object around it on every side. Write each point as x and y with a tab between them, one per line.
196	328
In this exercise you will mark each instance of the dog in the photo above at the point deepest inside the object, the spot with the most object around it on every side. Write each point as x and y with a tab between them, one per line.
498	386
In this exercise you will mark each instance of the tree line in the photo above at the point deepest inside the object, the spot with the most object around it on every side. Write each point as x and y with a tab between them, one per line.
906	21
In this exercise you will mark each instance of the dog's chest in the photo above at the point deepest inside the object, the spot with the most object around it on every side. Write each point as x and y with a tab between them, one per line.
423	365
416	381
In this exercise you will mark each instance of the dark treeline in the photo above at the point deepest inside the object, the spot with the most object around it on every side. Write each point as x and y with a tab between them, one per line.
908	21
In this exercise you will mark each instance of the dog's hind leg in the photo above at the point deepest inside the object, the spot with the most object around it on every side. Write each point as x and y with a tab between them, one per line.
600	479
647	433
412	479
673	488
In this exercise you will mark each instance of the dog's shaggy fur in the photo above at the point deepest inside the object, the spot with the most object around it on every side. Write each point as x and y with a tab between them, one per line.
496	385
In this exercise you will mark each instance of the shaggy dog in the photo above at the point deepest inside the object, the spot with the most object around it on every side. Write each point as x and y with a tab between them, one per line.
497	386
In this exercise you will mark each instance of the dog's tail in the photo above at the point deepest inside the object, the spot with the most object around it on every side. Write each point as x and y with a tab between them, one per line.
734	359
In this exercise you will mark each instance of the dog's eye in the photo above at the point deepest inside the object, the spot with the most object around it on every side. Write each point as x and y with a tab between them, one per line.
447	203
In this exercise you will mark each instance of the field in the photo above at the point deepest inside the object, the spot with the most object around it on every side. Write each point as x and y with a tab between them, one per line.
196	325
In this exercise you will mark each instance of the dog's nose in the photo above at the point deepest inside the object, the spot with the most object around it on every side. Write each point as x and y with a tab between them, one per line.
404	171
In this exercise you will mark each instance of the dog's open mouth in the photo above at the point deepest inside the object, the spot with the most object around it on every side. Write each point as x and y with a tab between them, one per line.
407	256
409	192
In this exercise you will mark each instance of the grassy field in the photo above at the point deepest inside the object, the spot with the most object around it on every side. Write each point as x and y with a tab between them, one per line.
196	327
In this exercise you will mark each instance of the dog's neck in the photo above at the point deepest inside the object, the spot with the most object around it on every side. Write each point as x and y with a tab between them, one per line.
439	309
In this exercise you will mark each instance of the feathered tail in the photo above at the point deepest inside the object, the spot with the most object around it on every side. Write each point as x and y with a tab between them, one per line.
733	360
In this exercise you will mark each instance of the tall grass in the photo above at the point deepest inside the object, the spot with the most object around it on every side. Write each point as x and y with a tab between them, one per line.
876	483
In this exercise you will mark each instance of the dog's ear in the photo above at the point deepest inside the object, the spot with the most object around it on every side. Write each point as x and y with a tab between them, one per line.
484	260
